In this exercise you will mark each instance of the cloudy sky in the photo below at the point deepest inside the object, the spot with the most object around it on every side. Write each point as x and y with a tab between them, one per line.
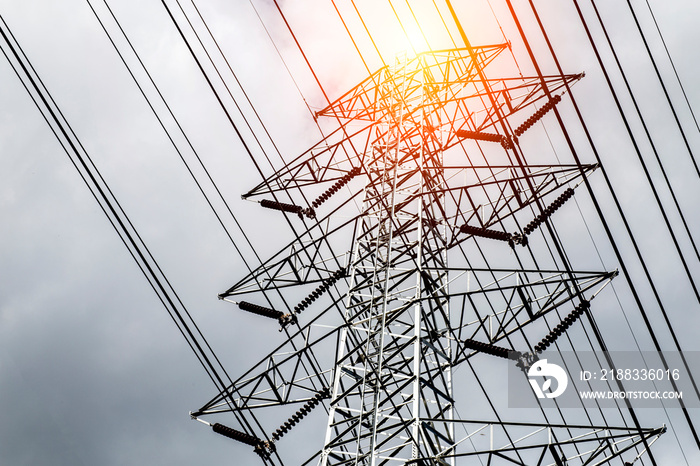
92	369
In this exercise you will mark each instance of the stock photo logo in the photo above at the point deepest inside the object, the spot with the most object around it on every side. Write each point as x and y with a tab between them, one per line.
549	371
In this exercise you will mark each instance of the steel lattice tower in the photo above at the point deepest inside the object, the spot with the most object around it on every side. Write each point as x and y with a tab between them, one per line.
387	381
385	321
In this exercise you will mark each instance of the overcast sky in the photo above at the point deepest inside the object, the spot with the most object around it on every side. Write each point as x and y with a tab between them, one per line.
92	369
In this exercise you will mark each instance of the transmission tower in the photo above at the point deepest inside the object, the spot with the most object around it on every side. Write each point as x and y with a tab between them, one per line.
390	285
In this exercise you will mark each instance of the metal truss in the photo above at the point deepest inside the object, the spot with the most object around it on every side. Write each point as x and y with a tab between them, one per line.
386	378
393	287
456	103
513	443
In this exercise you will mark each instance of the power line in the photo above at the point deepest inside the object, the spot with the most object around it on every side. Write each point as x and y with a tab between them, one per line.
624	268
110	205
673	65
671	106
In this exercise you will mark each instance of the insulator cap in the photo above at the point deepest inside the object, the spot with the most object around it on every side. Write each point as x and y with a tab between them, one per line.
563	326
485	233
345	179
260	310
292	208
537	115
282	206
491	349
301	413
236	435
479	136
282	318
322	288
548	211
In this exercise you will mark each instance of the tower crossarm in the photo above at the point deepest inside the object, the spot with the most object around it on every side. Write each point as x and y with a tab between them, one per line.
369	99
528	444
